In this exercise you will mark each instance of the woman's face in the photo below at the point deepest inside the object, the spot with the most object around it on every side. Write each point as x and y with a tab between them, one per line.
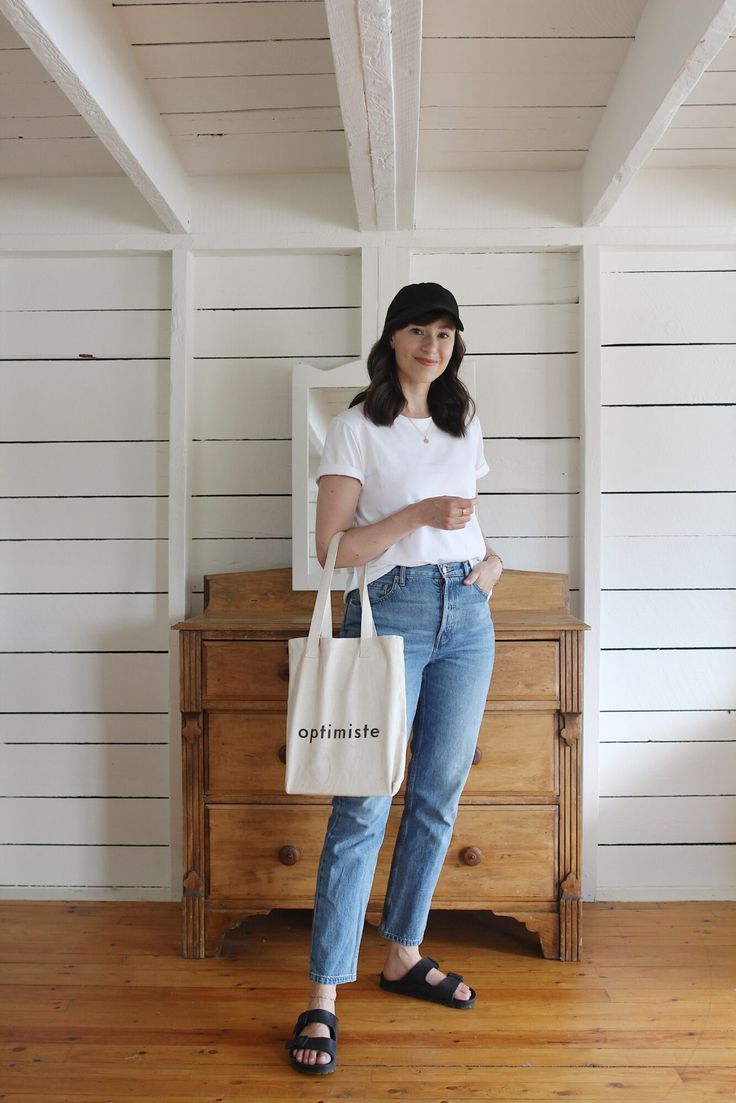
423	351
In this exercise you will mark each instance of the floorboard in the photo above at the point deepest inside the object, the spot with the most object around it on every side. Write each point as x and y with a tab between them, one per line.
97	1004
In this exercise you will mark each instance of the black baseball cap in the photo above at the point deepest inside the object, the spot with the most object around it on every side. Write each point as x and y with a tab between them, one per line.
417	299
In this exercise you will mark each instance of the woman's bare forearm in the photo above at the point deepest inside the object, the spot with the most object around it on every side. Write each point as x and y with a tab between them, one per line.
359	545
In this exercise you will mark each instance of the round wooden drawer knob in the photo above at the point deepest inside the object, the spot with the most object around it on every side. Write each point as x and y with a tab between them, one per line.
283	672
472	855
477	755
289	855
282	753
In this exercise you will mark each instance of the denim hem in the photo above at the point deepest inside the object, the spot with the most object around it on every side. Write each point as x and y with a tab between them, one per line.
398	938
320	978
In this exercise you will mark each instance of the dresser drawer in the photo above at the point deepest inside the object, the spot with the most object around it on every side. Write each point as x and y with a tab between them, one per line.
252	671
526	671
517	757
516	851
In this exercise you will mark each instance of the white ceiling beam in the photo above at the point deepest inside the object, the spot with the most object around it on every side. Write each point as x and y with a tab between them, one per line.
376	46
81	46
676	40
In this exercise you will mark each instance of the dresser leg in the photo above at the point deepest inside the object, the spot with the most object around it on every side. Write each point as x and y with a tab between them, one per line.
193	926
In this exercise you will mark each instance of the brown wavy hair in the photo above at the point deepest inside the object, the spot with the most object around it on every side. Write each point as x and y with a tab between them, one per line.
449	400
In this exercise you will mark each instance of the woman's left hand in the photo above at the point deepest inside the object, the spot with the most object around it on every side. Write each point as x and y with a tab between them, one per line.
486	574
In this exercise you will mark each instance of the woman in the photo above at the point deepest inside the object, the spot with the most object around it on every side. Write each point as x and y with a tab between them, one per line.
398	476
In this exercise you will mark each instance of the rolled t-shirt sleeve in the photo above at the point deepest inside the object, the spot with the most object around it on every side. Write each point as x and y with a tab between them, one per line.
481	464
342	454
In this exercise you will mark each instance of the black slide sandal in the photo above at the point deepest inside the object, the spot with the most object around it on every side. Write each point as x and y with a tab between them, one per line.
415	984
323	1045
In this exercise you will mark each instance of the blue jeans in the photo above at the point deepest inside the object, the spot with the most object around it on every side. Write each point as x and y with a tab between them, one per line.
449	646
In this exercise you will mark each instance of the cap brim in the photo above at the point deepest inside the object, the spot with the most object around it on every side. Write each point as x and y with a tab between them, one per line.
412	315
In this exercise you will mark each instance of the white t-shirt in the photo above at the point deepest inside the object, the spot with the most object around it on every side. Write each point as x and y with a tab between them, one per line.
396	469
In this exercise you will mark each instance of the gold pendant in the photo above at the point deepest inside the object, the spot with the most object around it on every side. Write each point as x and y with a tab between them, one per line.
426	440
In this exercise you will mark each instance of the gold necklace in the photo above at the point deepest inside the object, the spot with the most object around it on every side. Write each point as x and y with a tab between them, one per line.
423	433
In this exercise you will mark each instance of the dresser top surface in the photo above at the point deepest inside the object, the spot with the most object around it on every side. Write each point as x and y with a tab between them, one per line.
264	600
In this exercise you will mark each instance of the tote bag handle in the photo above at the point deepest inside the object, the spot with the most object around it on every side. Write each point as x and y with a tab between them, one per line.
321	625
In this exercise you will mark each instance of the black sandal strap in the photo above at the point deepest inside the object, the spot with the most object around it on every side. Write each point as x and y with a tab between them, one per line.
321	1045
317	1015
418	973
449	986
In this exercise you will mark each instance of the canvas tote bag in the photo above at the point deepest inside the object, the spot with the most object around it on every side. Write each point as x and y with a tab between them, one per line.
346	712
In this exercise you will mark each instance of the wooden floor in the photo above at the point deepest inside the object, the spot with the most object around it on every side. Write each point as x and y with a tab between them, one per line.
97	1004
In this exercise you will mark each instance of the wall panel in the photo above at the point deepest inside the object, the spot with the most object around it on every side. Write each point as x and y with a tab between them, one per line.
255	315
521	316
85	636
668	631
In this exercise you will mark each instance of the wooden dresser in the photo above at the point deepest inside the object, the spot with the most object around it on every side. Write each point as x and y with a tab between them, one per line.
248	847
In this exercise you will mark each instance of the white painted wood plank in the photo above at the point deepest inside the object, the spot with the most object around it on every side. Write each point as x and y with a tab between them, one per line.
243	398
460	145
704	115
218	556
681	679
667	618
407	54
652	562
72	126
83	468
112	282
109	334
76	822
33	100
84	622
251	516
528	395
20	66
665	374
271	153
481	161
241	467
667	820
84	566
529	515
114	770
296	334
46	400
691	158
212	22
56	157
695	260
640	727
85	683
492	279
89	867
667	873
513	120
671	50
714	87
667	769
530	19
230	93
491	330
678	461
279	280
295	120
535	466
714	138
669	307
537	57
214	59
84	728
57	518
520	88
83	49
669	515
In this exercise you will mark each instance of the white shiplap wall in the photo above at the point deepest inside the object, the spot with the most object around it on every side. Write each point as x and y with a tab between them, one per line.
83	609
256	315
668	626
520	312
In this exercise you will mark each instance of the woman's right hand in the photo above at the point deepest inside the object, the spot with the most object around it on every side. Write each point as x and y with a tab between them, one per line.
446	512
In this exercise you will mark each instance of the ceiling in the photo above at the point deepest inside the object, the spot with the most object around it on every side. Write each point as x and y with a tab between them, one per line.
249	86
